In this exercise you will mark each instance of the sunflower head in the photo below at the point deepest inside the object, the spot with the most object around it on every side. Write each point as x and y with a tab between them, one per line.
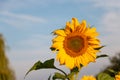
117	77
88	78
75	44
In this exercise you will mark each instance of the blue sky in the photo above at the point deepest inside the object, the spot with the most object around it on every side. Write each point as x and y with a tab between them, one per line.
27	25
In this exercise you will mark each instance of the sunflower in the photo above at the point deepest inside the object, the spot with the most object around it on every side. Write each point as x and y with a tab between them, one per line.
75	44
117	77
88	78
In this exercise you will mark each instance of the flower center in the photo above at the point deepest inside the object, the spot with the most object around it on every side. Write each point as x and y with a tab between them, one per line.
75	44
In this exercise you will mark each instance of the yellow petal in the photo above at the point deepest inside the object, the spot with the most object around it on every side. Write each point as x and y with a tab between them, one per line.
82	26
92	53
91	57
95	46
59	32
61	56
58	38
68	30
60	59
92	32
78	62
75	22
94	42
117	76
69	62
57	45
83	60
72	27
86	58
88	78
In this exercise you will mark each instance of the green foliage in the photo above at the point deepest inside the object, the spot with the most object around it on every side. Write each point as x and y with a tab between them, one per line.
104	76
75	70
115	62
103	55
59	76
73	73
114	68
5	72
110	71
49	64
39	65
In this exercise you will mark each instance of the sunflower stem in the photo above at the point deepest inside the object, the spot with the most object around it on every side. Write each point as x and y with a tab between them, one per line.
62	72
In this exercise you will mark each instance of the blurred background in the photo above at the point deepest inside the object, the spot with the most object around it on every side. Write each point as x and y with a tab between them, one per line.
27	25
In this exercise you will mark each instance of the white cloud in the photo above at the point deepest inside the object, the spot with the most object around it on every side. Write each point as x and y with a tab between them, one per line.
18	4
19	20
22	16
107	4
111	21
110	25
35	41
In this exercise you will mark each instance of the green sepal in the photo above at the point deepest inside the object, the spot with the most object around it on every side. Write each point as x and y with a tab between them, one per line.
104	76
59	76
99	48
73	72
39	65
52	49
103	55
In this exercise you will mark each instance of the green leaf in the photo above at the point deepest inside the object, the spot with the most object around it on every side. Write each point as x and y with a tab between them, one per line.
103	55
59	76
112	71
48	64
39	65
104	76
99	48
36	66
